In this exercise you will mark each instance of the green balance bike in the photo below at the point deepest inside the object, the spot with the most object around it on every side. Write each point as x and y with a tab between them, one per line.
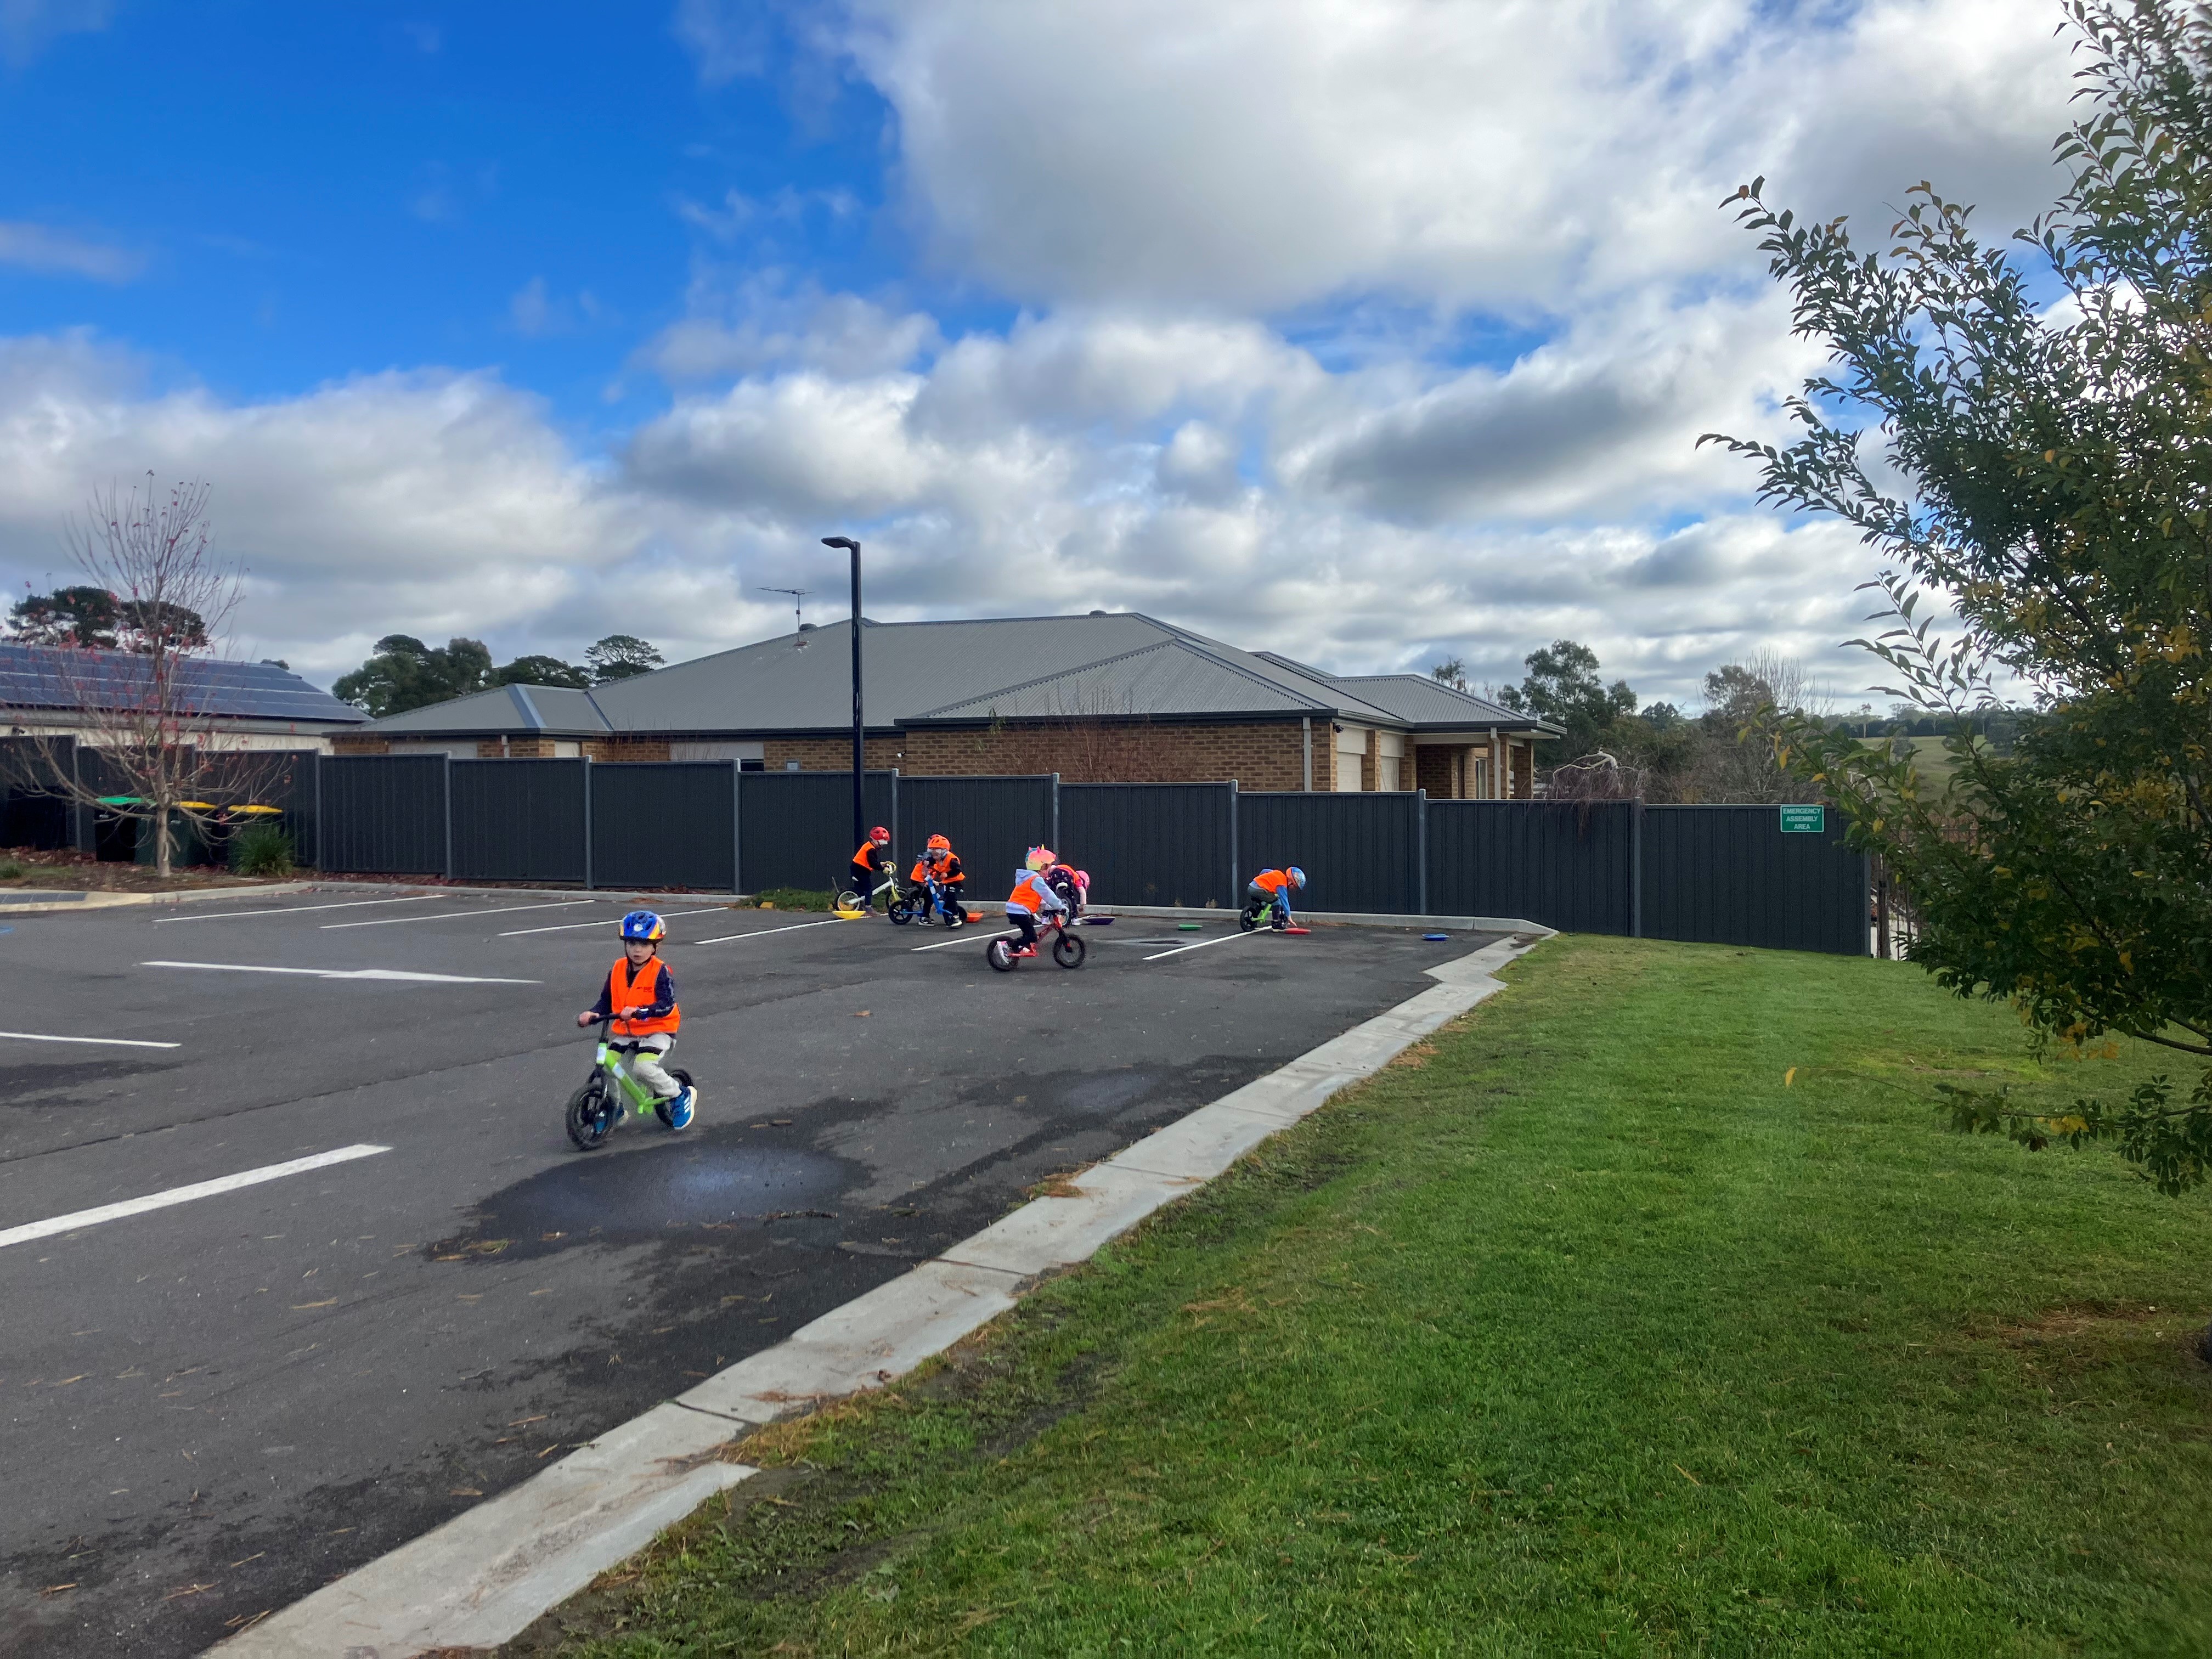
598	1107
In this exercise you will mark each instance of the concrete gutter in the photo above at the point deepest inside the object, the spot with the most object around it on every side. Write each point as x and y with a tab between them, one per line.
485	1575
1357	918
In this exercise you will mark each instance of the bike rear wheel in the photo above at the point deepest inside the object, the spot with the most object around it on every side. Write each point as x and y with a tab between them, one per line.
1069	950
590	1115
903	911
1248	918
1000	955
660	1107
847	899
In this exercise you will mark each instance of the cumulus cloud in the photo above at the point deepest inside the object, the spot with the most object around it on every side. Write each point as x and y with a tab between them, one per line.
764	319
1269	153
44	249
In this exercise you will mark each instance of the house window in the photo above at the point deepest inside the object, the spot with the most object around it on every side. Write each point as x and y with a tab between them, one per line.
1386	772
1348	774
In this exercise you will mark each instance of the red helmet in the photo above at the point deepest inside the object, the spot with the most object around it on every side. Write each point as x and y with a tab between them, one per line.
881	836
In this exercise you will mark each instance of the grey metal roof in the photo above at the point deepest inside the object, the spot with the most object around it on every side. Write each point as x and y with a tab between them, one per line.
1421	699
1167	677
58	677
557	709
1011	667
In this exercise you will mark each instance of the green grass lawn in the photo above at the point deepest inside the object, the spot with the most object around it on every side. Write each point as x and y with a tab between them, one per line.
1576	1331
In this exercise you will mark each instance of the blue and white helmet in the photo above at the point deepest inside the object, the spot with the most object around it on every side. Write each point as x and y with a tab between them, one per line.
643	924
1297	876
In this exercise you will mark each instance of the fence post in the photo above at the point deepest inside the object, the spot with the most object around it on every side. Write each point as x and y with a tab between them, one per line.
588	823
449	814
1229	894
1055	812
737	828
1636	871
319	831
1421	853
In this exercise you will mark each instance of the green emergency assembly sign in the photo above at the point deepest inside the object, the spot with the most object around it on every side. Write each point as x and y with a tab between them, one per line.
1804	820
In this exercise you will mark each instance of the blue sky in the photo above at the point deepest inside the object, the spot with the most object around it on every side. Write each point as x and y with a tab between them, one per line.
1367	330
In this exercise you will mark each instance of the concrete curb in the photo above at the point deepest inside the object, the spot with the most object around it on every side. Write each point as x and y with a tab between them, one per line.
484	1575
1371	919
42	901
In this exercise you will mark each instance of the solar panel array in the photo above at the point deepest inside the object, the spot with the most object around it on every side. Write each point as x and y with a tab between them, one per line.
49	677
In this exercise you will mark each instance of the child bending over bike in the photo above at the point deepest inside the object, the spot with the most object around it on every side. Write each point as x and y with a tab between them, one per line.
1032	897
870	863
638	1003
1271	890
941	865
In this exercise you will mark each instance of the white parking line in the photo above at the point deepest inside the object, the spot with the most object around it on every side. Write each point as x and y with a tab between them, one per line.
294	909
943	943
344	973
570	926
1200	945
117	1042
448	915
762	931
230	1184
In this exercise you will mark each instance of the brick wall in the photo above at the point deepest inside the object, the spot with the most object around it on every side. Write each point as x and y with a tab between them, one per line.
830	754
1268	756
614	749
348	743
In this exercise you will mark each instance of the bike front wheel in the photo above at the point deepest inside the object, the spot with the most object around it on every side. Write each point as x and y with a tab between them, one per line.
590	1115
1069	950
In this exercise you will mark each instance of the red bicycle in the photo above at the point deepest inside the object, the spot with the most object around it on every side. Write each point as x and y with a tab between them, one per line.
1068	949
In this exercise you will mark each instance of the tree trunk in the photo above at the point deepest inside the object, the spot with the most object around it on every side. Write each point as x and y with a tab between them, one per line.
162	815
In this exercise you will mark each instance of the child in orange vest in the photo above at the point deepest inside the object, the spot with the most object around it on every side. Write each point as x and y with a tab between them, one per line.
1032	897
638	1003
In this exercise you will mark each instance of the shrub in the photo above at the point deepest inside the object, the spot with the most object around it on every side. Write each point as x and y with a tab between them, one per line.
10	870
261	849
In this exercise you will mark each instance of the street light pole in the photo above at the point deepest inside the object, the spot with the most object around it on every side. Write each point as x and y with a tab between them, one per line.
859	774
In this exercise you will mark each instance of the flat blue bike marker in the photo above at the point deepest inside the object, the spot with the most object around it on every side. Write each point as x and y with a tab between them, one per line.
1436	938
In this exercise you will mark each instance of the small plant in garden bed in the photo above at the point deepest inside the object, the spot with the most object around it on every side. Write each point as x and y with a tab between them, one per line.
12	871
262	850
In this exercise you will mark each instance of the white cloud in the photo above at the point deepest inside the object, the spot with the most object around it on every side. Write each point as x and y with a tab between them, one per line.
1270	153
44	249
28	27
765	321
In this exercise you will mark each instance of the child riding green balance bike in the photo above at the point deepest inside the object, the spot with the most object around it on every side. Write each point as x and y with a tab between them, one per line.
637	1006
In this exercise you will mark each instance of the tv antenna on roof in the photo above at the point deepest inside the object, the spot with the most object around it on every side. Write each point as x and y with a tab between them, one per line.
797	595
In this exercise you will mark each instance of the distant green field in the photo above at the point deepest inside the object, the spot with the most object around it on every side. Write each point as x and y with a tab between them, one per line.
1648	1310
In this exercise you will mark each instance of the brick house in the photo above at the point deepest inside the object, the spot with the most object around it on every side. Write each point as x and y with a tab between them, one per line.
1109	697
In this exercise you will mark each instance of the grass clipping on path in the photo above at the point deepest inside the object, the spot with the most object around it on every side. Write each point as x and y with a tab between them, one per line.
1585	1334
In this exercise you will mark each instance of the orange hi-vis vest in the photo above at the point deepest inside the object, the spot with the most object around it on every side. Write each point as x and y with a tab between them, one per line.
641	989
1273	881
1028	894
870	854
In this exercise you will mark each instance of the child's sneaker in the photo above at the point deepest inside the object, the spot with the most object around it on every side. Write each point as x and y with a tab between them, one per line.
681	1106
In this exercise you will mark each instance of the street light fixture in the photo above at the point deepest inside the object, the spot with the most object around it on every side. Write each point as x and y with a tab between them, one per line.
859	774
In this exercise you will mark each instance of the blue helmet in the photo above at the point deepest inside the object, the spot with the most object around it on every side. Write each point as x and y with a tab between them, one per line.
643	924
1297	876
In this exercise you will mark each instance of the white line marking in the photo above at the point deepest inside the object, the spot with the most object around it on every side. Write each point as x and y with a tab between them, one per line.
1200	945
942	943
230	1184
762	931
343	972
571	927
448	915
120	1042
294	909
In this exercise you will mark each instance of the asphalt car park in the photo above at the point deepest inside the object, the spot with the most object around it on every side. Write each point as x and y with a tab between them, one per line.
353	1275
